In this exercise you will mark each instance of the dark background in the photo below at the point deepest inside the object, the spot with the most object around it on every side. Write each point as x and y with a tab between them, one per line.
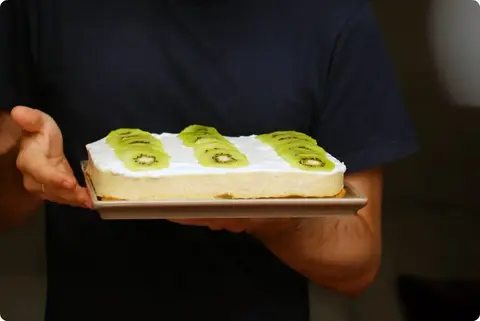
432	212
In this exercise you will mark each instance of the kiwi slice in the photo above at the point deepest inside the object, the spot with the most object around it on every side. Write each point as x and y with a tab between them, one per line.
310	162
298	146
211	148
119	134
202	149
133	141
192	133
280	136
138	160
223	158
191	139
209	139
198	129
280	140
121	151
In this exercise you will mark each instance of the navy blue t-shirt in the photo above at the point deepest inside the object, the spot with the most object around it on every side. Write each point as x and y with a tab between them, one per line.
316	66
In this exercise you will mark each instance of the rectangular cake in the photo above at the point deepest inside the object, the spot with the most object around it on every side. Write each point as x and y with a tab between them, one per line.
200	163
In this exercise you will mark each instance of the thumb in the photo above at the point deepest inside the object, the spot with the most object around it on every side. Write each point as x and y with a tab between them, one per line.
37	122
29	119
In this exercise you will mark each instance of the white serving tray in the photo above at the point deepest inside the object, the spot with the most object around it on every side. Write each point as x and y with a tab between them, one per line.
226	208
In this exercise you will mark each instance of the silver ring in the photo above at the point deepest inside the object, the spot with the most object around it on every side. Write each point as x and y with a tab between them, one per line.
43	189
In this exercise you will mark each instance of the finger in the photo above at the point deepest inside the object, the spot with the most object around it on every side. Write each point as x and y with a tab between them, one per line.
77	197
194	222
44	173
235	227
35	121
63	201
213	224
29	119
230	224
66	166
84	196
216	227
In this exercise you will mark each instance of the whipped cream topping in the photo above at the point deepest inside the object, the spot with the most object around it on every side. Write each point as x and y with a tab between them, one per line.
262	158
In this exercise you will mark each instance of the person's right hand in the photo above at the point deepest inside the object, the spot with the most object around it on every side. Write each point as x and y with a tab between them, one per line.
41	160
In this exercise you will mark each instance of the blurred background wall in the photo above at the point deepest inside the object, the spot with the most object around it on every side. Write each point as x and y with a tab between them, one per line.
436	48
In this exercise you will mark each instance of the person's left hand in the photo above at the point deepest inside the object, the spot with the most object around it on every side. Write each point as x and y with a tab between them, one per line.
256	226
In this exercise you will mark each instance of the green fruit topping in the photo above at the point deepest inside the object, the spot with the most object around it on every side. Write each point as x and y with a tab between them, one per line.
212	149
299	150
145	160
223	158
138	149
310	162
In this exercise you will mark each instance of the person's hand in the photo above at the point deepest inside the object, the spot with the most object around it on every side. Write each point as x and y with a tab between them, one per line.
9	133
41	160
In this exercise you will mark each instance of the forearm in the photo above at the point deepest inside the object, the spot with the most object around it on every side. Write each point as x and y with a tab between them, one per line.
340	253
16	204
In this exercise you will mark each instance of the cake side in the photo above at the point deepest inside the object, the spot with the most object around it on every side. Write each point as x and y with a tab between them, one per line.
246	185
263	173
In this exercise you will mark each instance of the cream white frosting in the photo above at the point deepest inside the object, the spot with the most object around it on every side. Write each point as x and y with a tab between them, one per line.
262	158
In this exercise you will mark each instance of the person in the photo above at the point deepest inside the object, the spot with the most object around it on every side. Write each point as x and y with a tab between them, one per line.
72	70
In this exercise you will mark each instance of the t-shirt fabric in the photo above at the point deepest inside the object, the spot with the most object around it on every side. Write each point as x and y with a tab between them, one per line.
316	66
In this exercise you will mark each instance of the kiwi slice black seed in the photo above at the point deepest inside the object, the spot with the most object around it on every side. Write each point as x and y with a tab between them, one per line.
223	158
200	150
139	141
211	148
310	162
142	160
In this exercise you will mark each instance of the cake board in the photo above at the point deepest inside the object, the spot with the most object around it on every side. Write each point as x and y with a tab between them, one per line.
226	208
